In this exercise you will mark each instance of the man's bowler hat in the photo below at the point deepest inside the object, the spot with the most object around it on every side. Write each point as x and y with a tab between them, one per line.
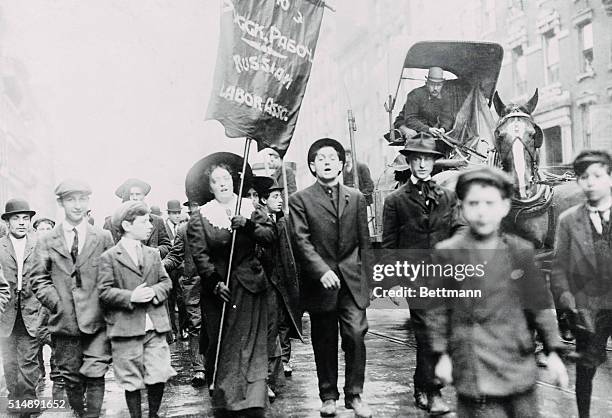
173	206
69	186
197	182
422	143
16	206
325	142
155	210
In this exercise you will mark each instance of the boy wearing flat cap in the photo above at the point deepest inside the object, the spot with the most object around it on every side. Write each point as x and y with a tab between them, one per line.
65	281
484	344
581	278
20	321
137	190
417	216
331	234
133	287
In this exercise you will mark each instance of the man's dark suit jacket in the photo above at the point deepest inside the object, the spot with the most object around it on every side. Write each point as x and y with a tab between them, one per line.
30	306
408	223
421	113
158	239
329	239
179	258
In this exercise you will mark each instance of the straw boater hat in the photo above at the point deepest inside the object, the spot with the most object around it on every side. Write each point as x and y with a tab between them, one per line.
423	143
435	75
197	182
15	207
325	142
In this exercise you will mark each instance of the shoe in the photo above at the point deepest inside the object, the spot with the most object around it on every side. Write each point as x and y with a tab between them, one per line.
198	380
361	408
271	395
420	400
287	369
328	409
436	405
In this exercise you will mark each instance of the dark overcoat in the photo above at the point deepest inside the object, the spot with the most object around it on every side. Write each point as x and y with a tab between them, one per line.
329	239
72	309
410	223
30	306
117	279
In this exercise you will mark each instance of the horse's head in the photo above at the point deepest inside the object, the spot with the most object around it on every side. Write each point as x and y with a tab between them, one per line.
517	140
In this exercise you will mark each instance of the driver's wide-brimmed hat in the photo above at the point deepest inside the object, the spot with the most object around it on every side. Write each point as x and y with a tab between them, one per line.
197	182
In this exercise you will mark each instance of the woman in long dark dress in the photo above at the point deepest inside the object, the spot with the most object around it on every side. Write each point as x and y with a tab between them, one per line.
240	387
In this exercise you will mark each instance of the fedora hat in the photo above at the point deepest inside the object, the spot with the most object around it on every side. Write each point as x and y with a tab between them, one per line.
421	143
123	191
16	206
435	75
197	182
173	206
400	163
325	142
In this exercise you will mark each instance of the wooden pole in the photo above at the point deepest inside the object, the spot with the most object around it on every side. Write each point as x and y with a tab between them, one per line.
247	146
352	130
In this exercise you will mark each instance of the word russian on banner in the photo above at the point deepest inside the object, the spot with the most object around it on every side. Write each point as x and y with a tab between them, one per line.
266	50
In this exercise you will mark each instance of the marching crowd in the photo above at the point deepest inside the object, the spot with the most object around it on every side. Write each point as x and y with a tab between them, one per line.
108	296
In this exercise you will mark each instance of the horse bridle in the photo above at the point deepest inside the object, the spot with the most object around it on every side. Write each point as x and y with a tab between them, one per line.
534	161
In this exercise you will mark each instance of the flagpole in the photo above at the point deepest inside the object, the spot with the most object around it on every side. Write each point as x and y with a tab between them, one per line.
285	190
247	146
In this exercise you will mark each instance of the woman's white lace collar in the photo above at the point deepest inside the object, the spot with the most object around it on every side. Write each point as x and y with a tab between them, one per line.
220	216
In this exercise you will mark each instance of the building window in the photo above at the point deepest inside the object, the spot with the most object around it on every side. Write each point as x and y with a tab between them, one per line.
585	121
519	71
586	47
516	6
552	149
551	57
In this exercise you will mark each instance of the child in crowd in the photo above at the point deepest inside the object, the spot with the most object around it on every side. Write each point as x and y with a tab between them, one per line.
485	345
133	286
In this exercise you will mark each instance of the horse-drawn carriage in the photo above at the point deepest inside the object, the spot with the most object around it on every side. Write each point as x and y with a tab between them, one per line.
472	69
478	138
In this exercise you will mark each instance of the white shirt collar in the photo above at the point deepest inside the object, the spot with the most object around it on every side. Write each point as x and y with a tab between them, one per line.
129	243
81	228
415	180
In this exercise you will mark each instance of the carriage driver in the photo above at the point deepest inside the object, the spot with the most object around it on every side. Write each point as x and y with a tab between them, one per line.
427	108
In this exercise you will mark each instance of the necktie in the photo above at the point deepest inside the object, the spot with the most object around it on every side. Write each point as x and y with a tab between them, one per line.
74	251
140	257
423	187
604	223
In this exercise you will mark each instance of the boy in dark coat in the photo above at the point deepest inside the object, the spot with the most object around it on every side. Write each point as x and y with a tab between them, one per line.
66	283
133	286
416	217
280	267
331	234
581	278
485	343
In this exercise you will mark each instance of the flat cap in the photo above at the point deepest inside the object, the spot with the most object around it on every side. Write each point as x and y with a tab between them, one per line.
72	186
127	207
490	176
123	191
588	157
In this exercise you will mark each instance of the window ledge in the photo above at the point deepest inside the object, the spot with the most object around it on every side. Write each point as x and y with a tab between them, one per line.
585	75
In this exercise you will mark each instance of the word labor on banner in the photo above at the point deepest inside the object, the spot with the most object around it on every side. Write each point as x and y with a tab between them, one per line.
265	55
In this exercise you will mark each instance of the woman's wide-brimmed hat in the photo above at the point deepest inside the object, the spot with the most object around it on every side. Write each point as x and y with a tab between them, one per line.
197	182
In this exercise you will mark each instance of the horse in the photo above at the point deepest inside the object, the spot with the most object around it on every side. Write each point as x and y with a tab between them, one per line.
536	202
